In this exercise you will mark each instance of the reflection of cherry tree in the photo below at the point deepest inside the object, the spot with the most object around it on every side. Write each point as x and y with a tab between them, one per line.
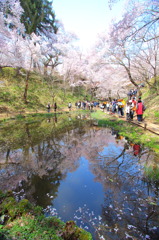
129	208
125	202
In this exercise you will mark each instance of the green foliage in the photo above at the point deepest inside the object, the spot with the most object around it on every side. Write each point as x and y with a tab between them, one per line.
13	209
151	99
71	231
29	227
8	206
156	114
133	133
8	73
41	91
151	173
2	195
24	206
37	15
5	96
24	221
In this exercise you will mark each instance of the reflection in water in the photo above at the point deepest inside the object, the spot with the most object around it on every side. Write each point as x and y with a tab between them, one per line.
53	119
137	149
88	174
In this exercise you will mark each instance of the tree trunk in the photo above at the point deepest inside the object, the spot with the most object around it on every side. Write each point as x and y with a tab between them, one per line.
130	77
17	71
45	69
64	88
118	96
155	82
26	87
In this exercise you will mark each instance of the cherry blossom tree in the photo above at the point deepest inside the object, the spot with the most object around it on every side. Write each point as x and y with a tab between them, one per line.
131	44
146	64
10	37
17	51
55	47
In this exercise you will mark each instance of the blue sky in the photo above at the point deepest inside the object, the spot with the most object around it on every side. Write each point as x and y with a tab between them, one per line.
86	18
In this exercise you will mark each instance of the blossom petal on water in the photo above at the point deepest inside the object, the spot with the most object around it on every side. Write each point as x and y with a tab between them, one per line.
147	237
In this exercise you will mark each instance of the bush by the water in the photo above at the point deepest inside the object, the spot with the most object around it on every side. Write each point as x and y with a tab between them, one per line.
21	220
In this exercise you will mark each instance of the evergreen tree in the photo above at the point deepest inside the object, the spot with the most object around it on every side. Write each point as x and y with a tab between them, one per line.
38	16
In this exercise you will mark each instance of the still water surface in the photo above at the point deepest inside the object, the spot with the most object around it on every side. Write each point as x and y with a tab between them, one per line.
81	172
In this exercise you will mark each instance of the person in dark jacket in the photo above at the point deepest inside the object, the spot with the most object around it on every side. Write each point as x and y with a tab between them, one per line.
55	106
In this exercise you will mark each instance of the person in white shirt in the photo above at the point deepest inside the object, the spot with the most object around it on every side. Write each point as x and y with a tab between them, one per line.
127	110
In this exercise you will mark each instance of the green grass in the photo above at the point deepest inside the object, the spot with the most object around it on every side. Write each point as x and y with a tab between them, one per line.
151	100
131	132
21	220
41	91
156	114
151	173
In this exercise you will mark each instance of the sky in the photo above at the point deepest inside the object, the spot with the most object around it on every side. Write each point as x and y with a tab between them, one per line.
85	18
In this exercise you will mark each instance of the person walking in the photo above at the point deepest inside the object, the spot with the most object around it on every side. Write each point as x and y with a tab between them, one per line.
76	105
140	108
120	107
84	105
127	110
108	106
55	107
69	106
114	103
48	107
133	107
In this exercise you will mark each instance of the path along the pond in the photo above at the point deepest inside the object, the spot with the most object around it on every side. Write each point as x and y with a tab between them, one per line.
146	124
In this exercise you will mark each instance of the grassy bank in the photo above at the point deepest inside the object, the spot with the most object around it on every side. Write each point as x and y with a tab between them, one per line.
133	133
41	90
151	100
22	220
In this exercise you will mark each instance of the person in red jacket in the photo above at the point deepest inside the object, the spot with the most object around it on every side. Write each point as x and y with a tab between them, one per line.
140	108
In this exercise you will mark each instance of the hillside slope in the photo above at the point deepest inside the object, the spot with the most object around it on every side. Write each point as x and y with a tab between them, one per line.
151	101
40	91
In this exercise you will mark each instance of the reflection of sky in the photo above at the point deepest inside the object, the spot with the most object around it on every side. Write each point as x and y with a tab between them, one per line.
83	188
106	180
112	150
79	189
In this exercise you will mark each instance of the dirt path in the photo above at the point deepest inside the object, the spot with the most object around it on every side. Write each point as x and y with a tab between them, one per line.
146	124
154	128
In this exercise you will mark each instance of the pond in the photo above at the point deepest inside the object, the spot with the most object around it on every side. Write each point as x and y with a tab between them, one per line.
78	171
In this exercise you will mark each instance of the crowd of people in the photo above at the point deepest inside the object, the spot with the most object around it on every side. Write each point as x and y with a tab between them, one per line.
126	109
89	105
132	107
132	92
